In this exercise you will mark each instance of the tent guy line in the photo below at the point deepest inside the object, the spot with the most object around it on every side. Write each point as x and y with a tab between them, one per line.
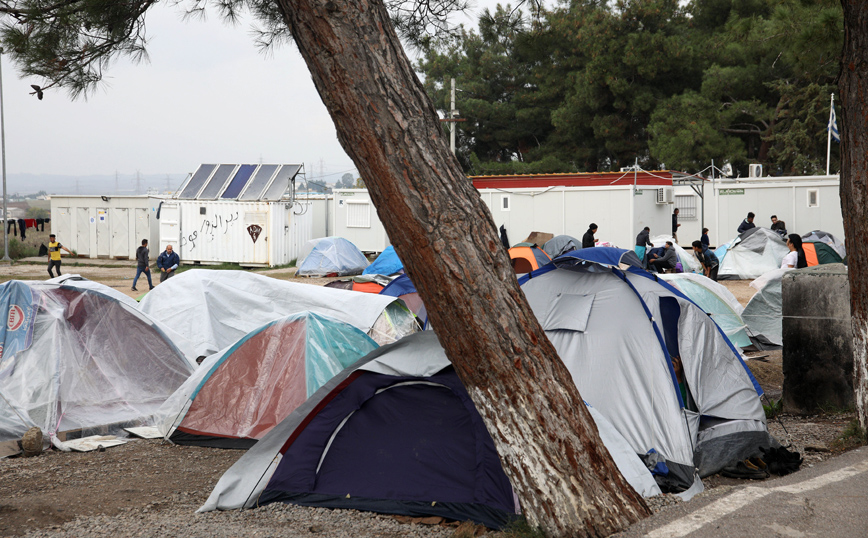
731	503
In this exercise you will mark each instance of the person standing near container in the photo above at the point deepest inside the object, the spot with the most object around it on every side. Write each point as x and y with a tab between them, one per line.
167	262
54	254
143	262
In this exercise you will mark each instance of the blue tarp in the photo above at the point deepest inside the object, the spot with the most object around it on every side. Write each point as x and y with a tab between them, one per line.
387	263
18	305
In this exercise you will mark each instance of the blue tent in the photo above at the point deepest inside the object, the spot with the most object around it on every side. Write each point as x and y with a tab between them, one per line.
332	256
387	263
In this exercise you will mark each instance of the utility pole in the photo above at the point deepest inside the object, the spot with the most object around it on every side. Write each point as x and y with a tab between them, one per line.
6	257
117	187
453	117
138	182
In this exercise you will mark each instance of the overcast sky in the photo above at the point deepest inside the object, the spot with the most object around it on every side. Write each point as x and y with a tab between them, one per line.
206	95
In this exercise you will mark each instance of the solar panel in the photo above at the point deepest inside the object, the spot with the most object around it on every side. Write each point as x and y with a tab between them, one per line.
212	189
238	182
192	188
275	191
258	182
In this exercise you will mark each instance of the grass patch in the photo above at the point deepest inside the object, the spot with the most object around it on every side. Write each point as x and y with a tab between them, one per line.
19	249
520	528
774	408
284	266
853	436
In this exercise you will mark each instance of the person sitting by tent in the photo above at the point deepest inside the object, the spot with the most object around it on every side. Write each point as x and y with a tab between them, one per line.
667	261
643	240
707	258
779	226
704	239
167	262
588	240
746	224
796	258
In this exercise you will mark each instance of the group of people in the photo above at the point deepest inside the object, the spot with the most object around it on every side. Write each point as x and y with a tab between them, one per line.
167	262
795	259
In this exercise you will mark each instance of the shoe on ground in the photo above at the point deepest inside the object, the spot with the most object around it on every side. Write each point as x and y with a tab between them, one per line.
152	287
134	289
742	470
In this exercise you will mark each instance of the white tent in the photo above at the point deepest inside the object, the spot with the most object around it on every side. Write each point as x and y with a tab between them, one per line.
716	300
214	308
752	254
763	313
616	330
77	359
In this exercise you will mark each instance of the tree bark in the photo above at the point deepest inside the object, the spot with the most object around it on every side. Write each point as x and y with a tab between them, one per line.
853	89
446	238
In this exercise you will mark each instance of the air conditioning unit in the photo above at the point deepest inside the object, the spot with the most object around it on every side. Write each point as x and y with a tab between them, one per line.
666	195
755	170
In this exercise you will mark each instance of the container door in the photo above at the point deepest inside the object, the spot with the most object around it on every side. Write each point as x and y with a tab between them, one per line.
256	223
143	228
103	235
119	222
82	231
60	225
170	227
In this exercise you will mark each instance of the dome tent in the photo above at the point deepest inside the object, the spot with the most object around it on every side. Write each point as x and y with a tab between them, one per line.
81	361
237	395
819	236
387	263
616	327
752	254
716	300
527	257
394	433
331	256
216	308
561	244
763	313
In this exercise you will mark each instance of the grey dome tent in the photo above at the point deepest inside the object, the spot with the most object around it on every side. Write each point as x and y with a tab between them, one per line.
561	244
763	313
616	327
331	256
753	253
394	433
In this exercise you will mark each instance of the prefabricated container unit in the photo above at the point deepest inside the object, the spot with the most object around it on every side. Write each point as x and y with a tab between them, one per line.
321	208
621	204
104	226
804	203
243	214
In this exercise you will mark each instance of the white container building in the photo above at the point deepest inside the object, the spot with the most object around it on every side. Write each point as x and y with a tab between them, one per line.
245	214
104	226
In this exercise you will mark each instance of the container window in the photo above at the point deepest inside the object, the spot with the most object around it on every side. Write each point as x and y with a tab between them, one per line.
813	198
504	202
358	214
686	205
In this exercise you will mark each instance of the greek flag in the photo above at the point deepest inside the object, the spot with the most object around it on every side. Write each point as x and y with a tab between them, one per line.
833	125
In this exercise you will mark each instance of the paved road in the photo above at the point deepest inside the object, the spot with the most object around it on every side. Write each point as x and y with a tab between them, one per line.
829	500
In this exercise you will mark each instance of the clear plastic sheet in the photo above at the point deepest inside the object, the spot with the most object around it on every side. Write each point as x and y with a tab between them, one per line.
688	260
248	388
717	301
214	309
95	364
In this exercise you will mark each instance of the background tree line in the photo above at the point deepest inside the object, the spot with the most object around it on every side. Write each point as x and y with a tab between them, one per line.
592	85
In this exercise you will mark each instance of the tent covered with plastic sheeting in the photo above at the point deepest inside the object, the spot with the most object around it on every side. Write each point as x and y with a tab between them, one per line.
561	244
752	254
716	300
763	313
404	289
331	256
75	359
239	394
394	433
216	308
387	263
819	236
688	261
617	327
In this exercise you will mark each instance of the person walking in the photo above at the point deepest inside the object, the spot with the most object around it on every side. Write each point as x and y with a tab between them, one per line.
643	240
167	262
588	239
675	224
54	249
709	261
143	262
746	224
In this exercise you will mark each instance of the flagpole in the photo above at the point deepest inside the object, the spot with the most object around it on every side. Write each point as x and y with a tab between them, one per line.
829	134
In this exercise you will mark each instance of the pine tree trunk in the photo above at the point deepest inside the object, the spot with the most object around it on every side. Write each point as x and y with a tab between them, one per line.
853	87
446	238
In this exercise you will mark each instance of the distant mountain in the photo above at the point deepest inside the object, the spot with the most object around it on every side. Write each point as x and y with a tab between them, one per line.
24	184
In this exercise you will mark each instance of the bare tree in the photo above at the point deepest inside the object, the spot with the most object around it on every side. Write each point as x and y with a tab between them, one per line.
444	234
853	87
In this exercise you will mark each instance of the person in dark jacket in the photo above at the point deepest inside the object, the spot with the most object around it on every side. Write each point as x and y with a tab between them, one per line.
704	239
779	226
667	261
642	241
709	261
143	262
588	240
675	224
746	224
167	262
